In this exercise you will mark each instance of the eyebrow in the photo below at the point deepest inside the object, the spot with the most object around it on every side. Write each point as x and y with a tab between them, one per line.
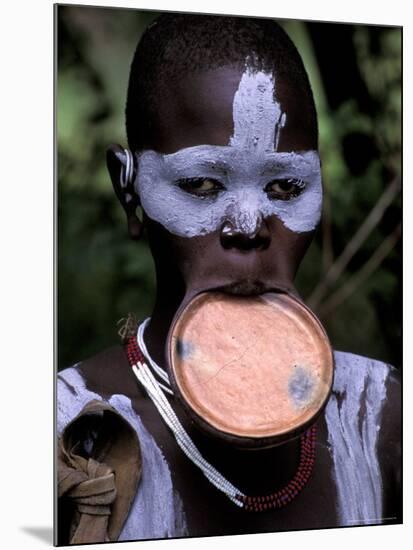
211	160
191	165
284	164
272	167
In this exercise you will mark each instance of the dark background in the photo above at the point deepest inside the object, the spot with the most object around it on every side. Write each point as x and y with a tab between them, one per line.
351	276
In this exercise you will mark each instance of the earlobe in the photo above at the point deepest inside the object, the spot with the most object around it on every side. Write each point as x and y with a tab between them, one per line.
122	170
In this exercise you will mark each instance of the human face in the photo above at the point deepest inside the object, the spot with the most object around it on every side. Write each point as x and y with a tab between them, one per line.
231	174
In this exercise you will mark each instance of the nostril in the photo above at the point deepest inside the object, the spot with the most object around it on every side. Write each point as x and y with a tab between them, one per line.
235	238
227	230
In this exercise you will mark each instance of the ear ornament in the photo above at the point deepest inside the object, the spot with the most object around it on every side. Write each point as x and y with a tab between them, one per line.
128	170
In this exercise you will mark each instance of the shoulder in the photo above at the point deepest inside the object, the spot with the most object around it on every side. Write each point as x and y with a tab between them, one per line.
355	371
369	381
106	373
371	391
373	384
363	418
101	376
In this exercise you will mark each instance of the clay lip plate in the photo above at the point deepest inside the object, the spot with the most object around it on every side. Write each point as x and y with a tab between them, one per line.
252	367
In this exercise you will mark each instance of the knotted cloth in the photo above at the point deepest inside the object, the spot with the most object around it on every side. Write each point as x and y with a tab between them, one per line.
99	467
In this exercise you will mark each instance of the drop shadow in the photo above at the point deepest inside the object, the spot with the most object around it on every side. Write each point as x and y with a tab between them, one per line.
44	534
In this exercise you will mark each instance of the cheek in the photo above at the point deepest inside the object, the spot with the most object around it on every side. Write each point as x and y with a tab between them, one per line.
302	214
171	250
288	245
162	243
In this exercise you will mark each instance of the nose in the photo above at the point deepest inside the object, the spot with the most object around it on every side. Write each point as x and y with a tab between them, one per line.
235	237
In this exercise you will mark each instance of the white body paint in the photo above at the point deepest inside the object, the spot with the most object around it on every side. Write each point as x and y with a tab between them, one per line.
353	434
244	167
156	511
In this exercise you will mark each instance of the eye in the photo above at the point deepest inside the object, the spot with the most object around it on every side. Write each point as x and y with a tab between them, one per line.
202	187
284	189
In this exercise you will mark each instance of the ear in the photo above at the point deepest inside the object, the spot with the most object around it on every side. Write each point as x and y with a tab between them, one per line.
122	167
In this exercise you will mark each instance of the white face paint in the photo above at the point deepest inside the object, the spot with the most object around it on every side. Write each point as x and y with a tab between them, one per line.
257	116
243	169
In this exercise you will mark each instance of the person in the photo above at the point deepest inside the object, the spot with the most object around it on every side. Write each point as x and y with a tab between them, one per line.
209	98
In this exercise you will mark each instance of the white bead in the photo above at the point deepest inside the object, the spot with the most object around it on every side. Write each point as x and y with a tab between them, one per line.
154	389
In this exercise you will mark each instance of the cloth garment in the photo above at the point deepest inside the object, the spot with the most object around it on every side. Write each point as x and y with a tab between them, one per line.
156	510
99	468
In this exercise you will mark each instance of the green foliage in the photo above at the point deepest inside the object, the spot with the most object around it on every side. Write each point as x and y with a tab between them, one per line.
359	325
102	275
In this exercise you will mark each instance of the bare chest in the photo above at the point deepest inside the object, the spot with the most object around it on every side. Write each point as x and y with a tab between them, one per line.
208	512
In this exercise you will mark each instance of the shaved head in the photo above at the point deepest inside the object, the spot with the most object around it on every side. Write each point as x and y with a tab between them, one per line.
178	47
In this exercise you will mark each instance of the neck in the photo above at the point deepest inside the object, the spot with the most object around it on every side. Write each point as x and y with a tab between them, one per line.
169	296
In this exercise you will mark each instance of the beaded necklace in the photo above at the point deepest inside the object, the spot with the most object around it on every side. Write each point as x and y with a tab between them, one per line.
138	358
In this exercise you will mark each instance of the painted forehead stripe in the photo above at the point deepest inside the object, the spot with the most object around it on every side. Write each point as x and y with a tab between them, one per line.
239	166
257	115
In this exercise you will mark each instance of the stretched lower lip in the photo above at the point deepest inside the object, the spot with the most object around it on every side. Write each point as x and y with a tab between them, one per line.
241	287
197	354
244	288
